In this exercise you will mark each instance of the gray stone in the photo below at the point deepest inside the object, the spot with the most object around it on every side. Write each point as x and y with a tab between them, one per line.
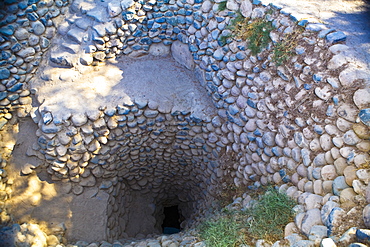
300	140
21	34
50	128
348	112
348	76
366	215
44	43
362	98
97	14
326	209
336	37
125	4
325	142
364	175
4	73
246	8
365	116
334	219
100	55
232	5
328	172
338	48
312	201
337	61
317	233
150	113
64	59
315	27
79	119
77	35
88	182
305	153
347	198
182	54
86	59
327	242
38	27
350	138
26	52
218	54
334	82
33	40
159	50
311	218
339	184
323	93
251	125
114	8
293	238
269	139
319	160
206	6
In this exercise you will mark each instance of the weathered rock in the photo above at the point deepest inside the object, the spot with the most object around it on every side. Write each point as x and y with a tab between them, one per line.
246	8
311	218
64	59
365	116
362	98
159	50
317	233
38	28
182	54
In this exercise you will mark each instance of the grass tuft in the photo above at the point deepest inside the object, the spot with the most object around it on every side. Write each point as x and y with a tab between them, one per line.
269	215
222	232
266	219
283	50
256	31
222	6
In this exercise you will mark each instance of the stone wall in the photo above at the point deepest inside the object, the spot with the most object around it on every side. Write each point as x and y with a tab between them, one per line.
302	125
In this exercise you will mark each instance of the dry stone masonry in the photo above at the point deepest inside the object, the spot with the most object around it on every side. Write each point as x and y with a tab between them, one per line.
108	148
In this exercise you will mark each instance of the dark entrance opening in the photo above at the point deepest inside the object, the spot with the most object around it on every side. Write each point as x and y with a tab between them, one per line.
172	220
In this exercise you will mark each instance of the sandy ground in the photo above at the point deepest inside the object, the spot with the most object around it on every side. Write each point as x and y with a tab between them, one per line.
119	81
350	16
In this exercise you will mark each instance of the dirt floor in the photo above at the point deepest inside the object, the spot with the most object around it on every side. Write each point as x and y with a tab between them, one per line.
118	81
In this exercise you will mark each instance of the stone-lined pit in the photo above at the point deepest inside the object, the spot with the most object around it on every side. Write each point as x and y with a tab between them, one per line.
123	131
150	152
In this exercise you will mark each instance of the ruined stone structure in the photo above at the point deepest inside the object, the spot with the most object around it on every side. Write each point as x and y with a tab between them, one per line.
115	110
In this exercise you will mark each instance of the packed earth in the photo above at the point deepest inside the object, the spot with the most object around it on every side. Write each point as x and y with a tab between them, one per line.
129	123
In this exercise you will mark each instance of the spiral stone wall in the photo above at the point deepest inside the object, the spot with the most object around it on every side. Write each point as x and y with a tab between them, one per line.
302	125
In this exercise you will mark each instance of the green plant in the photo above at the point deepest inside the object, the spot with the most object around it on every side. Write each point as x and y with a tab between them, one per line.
266	219
221	232
224	39
281	52
222	6
256	31
284	49
269	215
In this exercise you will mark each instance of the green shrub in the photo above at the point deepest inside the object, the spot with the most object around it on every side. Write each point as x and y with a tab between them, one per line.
221	232
269	215
256	32
266	219
283	50
222	6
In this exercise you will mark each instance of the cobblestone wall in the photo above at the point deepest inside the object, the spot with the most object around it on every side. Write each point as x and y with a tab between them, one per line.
302	125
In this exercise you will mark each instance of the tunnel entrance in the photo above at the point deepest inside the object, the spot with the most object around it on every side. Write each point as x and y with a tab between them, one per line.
172	220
